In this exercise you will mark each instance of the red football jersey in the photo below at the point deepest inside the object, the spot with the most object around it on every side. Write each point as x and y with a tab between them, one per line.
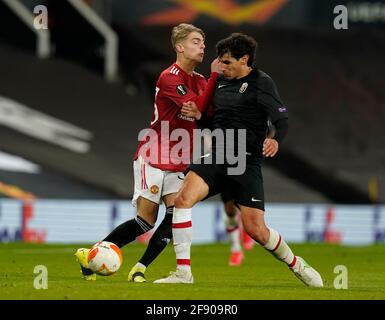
172	153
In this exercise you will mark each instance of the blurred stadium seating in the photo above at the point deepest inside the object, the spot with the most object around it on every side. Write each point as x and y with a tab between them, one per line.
332	81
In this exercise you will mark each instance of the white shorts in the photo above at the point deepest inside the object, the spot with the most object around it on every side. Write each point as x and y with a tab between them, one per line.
153	183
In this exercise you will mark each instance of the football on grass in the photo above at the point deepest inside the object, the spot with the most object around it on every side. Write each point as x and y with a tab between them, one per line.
105	258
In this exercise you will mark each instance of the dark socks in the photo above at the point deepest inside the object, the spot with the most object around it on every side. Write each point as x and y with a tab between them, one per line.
159	239
128	231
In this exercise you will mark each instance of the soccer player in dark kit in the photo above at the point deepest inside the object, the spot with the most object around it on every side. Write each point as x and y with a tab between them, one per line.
158	178
245	99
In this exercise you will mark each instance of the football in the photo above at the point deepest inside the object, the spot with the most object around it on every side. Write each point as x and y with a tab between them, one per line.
105	258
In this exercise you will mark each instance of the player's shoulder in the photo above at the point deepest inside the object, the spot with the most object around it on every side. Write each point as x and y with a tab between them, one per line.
262	76
172	72
198	75
265	82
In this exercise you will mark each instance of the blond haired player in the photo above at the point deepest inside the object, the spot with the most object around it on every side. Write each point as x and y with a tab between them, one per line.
158	179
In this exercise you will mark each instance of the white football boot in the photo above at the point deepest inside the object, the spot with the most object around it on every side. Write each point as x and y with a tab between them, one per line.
307	274
179	276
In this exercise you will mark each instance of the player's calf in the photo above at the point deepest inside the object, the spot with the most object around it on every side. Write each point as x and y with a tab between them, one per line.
279	248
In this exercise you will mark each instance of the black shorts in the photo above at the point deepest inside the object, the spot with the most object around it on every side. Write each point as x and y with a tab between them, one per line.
246	189
226	194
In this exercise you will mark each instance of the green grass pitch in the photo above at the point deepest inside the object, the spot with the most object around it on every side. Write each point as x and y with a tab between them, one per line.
260	277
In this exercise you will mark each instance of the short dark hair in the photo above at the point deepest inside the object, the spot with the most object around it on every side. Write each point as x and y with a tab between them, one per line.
238	44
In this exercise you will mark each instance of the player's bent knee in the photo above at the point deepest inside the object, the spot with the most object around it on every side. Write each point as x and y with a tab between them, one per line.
258	233
183	201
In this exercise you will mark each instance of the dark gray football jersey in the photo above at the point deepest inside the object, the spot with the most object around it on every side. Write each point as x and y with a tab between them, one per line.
248	103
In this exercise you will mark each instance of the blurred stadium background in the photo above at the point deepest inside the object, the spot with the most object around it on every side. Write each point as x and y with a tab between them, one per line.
74	97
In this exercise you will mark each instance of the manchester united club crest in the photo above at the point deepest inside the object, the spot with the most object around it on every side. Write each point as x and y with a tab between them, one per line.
154	189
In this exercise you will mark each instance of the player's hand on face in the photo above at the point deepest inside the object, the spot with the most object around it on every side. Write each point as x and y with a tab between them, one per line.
270	147
190	109
216	66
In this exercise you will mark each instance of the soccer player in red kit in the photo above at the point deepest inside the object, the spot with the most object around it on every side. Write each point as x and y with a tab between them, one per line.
158	178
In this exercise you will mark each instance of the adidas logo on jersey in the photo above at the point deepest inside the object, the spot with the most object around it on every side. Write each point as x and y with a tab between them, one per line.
174	70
